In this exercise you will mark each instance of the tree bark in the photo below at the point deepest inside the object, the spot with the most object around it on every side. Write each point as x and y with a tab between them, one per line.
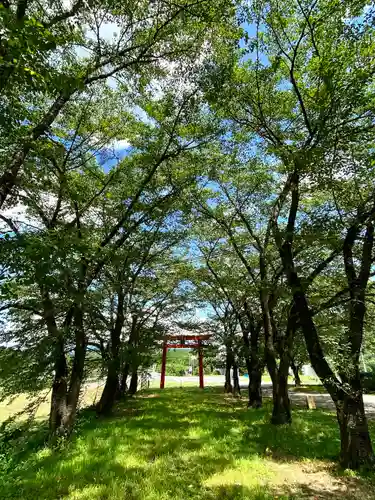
281	413
110	391
296	369
123	381
255	388
77	373
253	363
356	447
128	358
58	411
255	382
133	381
228	365
112	385
236	381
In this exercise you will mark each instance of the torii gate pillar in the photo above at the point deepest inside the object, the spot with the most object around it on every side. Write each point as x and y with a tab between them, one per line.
163	363
200	354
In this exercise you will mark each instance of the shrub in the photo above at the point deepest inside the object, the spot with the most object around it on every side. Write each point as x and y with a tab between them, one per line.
368	381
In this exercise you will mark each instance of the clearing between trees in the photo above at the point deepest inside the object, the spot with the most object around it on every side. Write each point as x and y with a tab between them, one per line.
186	443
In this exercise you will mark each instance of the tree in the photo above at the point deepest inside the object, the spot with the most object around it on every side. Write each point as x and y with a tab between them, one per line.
137	291
239	207
295	101
75	239
52	71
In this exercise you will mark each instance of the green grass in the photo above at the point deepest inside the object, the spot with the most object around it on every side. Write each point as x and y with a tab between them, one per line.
319	388
305	379
17	405
182	444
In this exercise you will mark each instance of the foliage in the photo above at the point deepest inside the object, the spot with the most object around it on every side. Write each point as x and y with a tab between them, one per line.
177	362
203	159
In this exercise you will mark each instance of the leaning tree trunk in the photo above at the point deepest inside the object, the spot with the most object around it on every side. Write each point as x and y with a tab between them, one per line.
110	391
9	178
236	381
356	448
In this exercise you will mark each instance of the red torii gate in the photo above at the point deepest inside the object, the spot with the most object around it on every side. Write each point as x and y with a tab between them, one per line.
184	342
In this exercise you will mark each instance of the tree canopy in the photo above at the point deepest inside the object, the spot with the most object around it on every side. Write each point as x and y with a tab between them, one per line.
198	163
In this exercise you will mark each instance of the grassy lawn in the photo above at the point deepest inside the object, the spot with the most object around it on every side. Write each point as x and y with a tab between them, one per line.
318	388
18	404
183	444
305	379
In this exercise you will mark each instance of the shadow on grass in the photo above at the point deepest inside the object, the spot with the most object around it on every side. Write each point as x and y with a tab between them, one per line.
284	492
165	447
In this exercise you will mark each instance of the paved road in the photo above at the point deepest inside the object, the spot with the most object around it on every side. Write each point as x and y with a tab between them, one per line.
299	398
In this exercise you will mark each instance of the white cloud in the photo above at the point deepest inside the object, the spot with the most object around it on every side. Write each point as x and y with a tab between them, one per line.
120	144
109	31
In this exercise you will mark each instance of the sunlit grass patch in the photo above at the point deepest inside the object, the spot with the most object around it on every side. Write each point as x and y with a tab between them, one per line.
178	444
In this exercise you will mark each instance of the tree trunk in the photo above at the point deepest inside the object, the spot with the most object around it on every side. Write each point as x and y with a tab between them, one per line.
236	381
255	376
228	365
112	387
110	391
252	358
281	407
356	447
255	387
296	369
130	358
123	381
281	413
58	410
133	382
77	373
64	402
228	384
